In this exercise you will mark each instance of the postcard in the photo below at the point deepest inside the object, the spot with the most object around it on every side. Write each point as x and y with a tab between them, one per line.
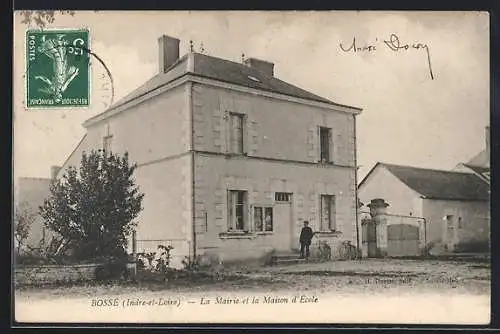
186	167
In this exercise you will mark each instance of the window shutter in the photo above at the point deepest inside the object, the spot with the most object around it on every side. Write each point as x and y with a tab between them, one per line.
244	134
321	213
232	133
317	143
332	146
227	134
229	210
333	213
252	137
246	215
312	143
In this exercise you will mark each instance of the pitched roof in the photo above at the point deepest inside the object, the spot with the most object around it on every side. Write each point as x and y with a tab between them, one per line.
482	159
225	71
478	169
482	172
439	184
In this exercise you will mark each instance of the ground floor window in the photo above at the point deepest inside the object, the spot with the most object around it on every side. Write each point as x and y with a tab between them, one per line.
263	219
237	210
327	212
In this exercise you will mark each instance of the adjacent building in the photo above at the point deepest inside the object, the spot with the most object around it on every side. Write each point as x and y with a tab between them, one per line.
231	159
454	204
29	195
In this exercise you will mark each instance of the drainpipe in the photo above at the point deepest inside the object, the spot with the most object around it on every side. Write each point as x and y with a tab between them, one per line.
191	148
356	187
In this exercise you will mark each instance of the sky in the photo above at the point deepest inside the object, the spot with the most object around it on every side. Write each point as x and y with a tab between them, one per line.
408	118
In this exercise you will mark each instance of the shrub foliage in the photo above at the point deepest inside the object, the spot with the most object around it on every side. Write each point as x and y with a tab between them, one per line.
93	208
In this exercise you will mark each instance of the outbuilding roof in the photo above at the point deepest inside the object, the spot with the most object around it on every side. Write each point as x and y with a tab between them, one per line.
438	184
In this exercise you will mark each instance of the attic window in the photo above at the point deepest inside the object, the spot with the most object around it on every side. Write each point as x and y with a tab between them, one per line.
253	78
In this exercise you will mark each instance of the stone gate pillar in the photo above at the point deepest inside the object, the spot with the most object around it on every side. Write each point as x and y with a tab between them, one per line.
378	211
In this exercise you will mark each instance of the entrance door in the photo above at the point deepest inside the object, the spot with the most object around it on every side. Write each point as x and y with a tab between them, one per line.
450	231
283	226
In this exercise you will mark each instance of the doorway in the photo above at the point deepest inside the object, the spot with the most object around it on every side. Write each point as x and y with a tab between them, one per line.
283	221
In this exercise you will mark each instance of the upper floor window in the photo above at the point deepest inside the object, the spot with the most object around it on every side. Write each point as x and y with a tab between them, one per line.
325	141
236	133
107	142
237	210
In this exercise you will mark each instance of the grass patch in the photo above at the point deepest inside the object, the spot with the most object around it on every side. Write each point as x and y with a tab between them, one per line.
183	281
351	273
480	266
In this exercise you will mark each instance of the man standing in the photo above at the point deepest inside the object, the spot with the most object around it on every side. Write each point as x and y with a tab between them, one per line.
305	239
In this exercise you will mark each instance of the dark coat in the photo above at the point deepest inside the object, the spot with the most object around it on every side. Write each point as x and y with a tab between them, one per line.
306	235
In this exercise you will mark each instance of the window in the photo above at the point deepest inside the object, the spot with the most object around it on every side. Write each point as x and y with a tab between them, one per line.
460	223
237	207
263	219
106	143
327	212
236	124
449	222
282	197
325	138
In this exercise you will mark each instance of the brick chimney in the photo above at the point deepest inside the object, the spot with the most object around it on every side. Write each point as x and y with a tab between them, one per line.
54	170
168	48
261	65
487	137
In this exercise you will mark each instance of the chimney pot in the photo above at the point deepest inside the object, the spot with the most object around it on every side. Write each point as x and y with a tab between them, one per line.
261	65
168	48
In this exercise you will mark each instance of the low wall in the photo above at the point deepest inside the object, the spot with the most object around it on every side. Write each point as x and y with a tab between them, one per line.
47	274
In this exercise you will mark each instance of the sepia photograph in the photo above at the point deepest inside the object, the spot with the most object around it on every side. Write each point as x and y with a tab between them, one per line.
286	167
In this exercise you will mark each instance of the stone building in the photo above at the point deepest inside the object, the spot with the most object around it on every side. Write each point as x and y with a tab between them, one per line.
231	159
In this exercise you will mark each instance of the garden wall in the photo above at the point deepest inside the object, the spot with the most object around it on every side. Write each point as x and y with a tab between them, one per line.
47	274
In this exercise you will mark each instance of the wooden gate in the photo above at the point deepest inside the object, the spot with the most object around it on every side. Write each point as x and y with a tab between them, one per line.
402	240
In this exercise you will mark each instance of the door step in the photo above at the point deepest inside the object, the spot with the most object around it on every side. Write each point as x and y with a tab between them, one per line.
287	258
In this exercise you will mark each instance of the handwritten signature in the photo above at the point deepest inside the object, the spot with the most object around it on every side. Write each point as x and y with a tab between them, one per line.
394	44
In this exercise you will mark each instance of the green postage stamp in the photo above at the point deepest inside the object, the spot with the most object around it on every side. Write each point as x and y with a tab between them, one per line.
57	68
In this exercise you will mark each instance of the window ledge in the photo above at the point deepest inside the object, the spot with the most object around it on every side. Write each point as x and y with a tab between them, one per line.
243	235
236	235
235	155
333	232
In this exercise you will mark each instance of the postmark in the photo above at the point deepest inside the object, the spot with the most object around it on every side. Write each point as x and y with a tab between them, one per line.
58	71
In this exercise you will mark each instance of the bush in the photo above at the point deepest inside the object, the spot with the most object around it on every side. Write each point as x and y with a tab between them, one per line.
472	246
426	250
190	264
155	265
111	270
32	259
347	251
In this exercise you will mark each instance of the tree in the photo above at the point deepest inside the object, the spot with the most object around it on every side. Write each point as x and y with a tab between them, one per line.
23	219
42	17
93	208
